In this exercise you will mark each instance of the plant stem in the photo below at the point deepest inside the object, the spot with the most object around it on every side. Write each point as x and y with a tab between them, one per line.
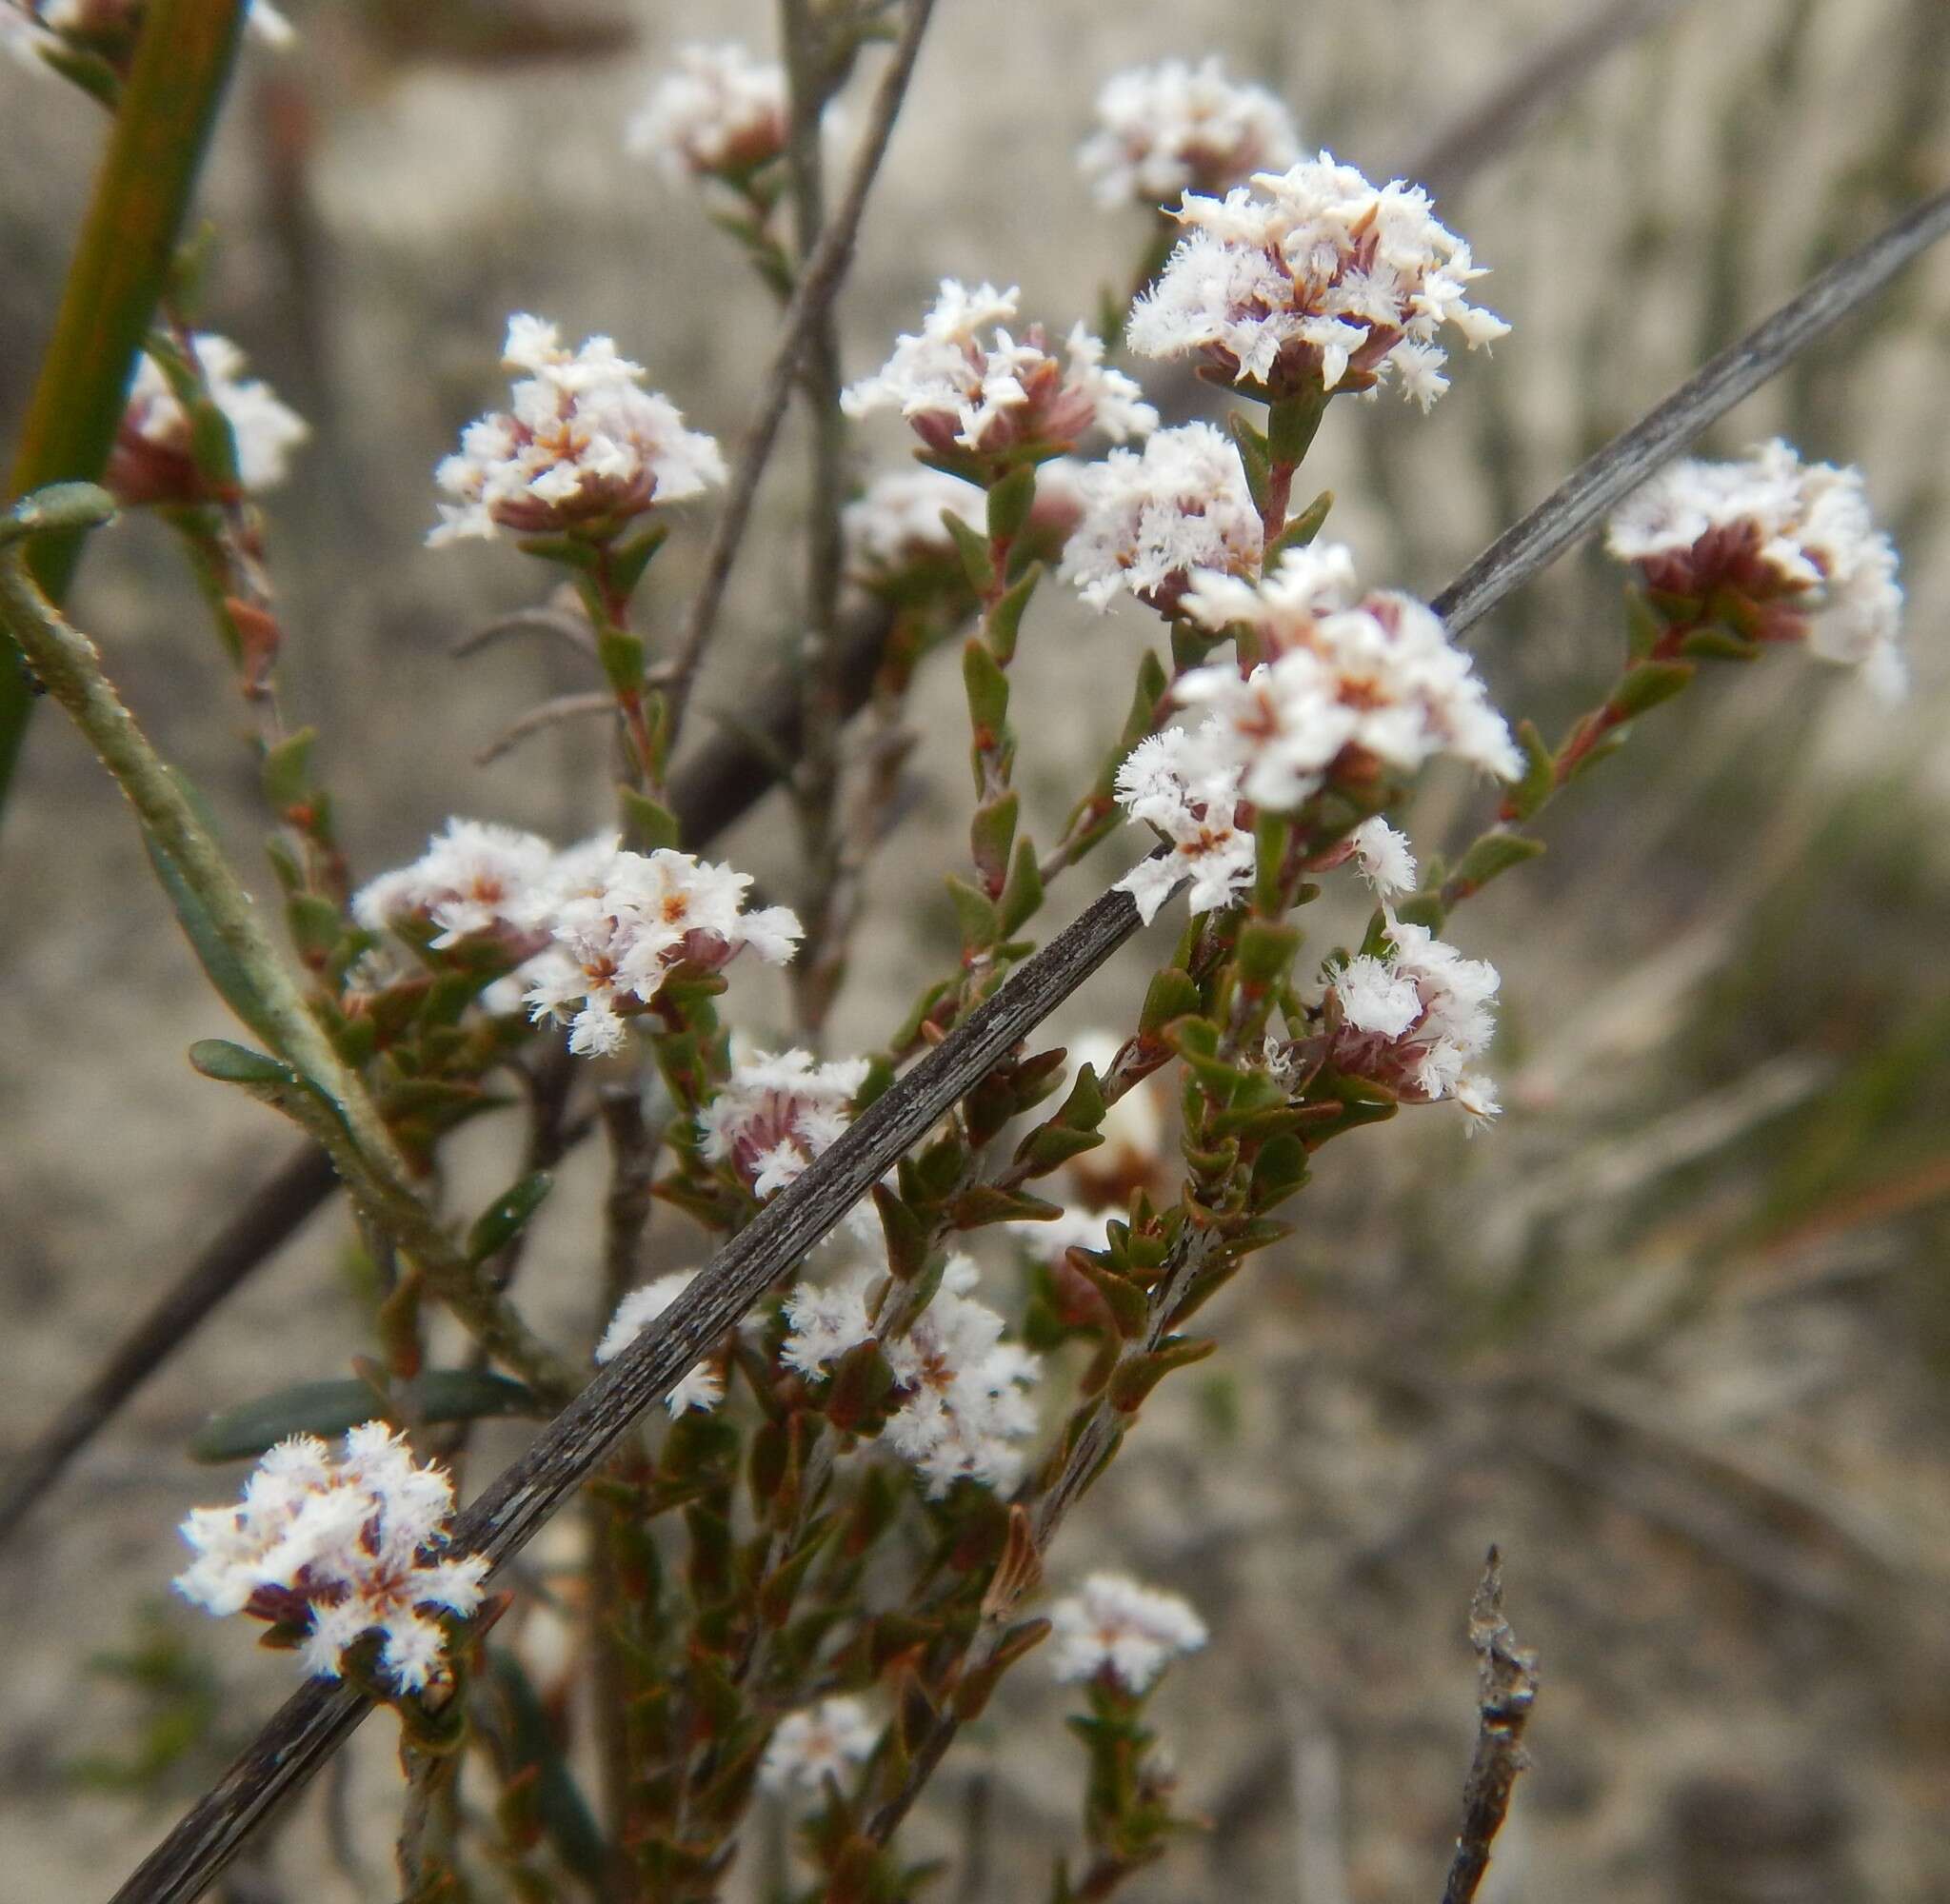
122	261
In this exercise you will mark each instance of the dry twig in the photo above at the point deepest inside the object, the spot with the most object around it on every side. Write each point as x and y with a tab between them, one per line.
818	283
1506	1680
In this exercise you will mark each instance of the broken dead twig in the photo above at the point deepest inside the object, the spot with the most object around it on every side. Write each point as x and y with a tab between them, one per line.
1507	1682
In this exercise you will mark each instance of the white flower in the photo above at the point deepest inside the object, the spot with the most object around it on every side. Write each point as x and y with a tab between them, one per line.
473	877
1196	809
1122	1630
702	1388
1795	540
720	112
583	445
777	1112
897	523
809	1745
1313	277
1172	128
824	1321
1150	519
341	1547
1417	1019
151	458
965	1404
637	920
1384	856
959	393
1377	673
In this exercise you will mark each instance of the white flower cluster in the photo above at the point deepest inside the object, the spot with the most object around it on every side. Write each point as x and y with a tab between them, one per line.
719	111
1376	673
701	1388
150	461
344	1546
1194	805
474	877
1118	1629
634	922
1417	1019
777	1112
1346	678
823	1739
1151	518
958	393
897	522
583	445
965	1402
1781	533
1313	276
1173	128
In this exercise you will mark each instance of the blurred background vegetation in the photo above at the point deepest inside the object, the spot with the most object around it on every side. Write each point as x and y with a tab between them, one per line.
1676	1334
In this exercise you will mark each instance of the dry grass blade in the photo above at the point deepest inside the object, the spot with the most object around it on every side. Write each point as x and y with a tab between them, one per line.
314	1721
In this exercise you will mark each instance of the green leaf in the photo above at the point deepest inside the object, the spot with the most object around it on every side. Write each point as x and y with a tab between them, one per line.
1300	529
221	965
1136	1378
630	556
986	1203
1172	994
1266	951
988	690
652	824
975	913
229	1063
1647	684
1009	503
972	548
1253	455
286	770
504	1219
327	1408
1493	853
992	834
316	926
1540	775
1021	895
621	657
1713	642
1645	625
1005	618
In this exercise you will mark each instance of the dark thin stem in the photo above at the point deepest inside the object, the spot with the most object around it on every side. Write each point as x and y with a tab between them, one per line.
818	285
1506	1680
265	1222
1533	84
1524	551
810	66
316	1720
